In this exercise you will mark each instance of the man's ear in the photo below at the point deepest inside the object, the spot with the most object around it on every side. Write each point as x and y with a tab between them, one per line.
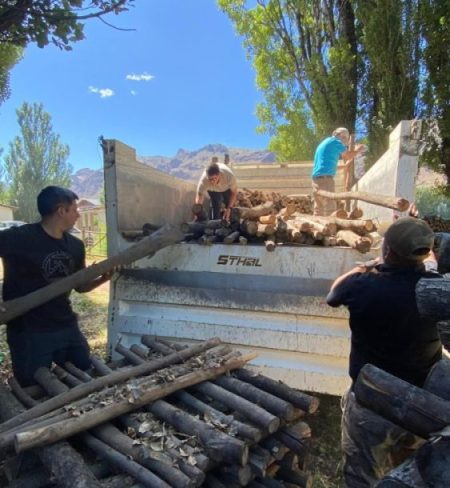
61	211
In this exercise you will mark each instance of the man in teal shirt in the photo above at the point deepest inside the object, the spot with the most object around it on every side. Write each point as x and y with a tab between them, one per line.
326	158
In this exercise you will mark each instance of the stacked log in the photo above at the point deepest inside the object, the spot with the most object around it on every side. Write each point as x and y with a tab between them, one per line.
268	224
437	223
424	412
215	430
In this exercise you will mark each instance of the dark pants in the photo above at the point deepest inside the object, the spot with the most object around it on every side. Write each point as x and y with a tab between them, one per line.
217	197
31	350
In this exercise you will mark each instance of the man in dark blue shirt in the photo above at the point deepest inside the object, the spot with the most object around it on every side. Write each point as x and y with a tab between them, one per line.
387	331
35	255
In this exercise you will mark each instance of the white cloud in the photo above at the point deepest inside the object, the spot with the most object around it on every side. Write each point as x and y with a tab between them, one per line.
133	92
103	92
142	77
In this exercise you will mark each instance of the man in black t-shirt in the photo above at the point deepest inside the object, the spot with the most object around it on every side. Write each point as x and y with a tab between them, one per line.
387	331
35	255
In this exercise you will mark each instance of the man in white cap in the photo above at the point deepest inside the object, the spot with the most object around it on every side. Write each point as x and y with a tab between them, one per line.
388	332
326	158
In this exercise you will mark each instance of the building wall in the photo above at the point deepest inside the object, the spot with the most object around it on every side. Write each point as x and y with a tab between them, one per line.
6	213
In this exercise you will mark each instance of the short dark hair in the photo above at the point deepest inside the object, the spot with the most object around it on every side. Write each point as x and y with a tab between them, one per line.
212	169
53	197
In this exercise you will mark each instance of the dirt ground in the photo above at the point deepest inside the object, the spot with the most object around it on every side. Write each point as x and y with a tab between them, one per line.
92	309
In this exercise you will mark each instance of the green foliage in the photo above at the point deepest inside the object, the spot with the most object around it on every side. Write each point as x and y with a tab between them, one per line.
9	56
35	159
51	21
305	59
433	201
435	24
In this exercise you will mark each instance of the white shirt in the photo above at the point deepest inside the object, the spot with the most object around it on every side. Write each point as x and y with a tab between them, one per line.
227	181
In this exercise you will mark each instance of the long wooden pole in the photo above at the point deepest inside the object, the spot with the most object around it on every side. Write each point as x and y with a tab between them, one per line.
395	203
163	237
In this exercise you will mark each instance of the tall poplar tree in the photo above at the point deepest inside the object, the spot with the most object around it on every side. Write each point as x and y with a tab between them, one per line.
36	158
305	56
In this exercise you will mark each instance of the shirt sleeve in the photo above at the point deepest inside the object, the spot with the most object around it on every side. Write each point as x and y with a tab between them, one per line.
8	241
201	187
340	146
340	294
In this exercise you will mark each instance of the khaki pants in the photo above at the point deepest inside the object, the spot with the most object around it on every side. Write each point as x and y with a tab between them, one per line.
371	445
323	206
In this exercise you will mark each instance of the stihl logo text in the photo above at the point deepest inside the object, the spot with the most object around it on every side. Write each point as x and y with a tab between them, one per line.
238	261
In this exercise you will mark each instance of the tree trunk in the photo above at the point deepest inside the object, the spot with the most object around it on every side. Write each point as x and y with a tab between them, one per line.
395	203
146	247
256	212
355	241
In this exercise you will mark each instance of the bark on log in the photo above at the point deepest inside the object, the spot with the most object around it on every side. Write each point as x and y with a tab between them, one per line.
222	233
256	212
265	230
299	478
254	413
233	237
275	405
61	430
355	241
219	446
243	430
356	213
20	393
300	400
241	475
363	226
106	381
199	212
340	213
433	298
395	203
249	227
438	379
408	406
78	373
60	459
148	246
121	443
198	228
285	213
442	246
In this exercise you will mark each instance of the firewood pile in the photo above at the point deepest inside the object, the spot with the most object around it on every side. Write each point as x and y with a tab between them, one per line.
282	220
164	415
424	412
438	224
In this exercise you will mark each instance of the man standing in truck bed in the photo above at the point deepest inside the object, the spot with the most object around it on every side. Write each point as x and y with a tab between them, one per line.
220	183
35	255
326	158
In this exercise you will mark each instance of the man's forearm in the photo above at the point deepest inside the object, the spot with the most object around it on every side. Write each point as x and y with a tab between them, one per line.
232	200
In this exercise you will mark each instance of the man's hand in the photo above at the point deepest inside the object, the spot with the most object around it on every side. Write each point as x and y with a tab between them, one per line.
226	214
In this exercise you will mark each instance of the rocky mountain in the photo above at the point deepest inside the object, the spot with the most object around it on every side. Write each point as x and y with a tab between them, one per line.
187	165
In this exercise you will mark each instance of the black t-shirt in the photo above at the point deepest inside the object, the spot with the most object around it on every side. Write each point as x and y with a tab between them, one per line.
31	260
387	330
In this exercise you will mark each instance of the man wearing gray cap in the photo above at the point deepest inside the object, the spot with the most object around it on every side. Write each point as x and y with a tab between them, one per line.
326	158
388	332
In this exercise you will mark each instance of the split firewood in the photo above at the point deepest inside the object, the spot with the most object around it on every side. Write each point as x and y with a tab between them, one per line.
265	230
355	225
395	203
268	219
349	238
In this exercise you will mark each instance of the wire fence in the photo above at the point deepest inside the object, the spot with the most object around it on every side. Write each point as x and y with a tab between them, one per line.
96	243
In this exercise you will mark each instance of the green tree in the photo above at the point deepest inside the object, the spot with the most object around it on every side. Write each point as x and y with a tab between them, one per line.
435	22
9	56
51	21
305	56
389	42
36	158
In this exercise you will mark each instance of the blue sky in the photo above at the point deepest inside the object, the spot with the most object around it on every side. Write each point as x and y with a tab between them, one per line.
192	84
